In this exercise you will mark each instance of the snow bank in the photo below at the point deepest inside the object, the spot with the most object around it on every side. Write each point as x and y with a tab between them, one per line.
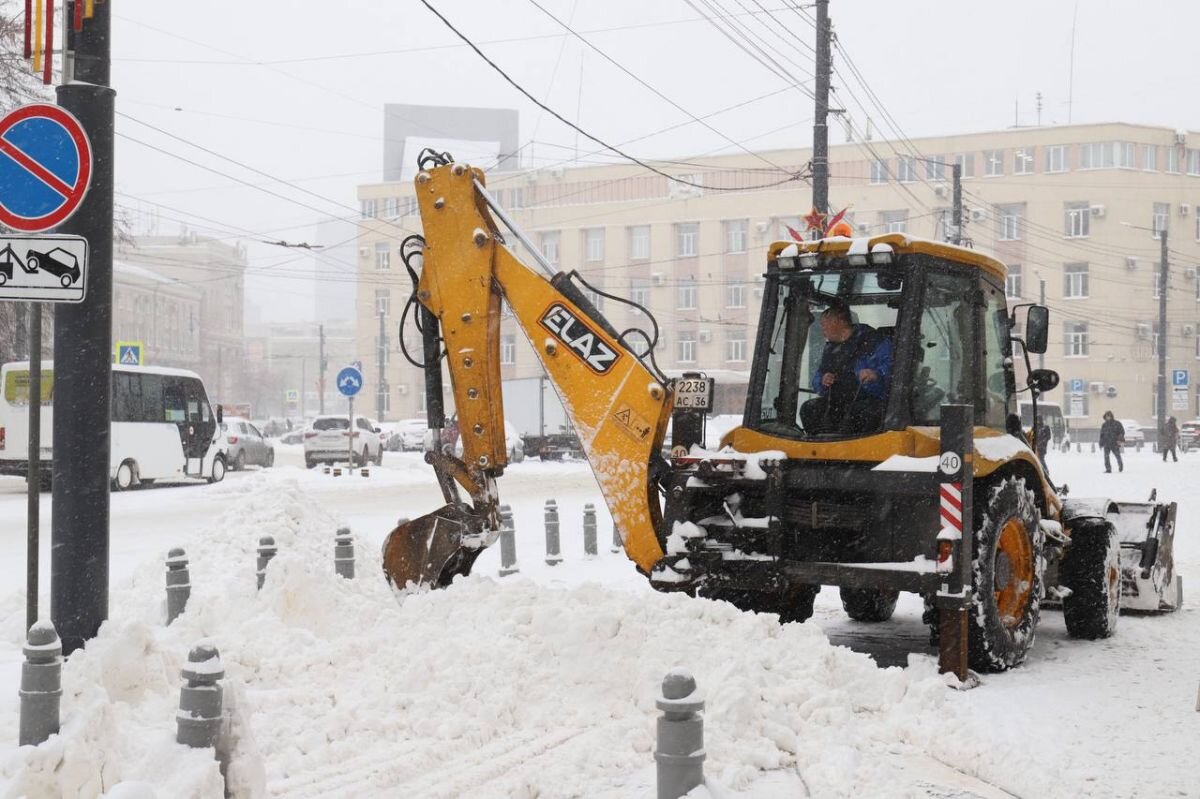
490	688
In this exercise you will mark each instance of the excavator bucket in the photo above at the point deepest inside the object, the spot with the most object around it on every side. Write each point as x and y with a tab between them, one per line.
1147	534
432	549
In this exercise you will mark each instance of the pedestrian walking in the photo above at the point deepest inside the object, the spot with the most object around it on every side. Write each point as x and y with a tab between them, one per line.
1170	439
1112	436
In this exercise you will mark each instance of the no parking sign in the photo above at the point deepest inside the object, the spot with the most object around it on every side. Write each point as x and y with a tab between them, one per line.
45	167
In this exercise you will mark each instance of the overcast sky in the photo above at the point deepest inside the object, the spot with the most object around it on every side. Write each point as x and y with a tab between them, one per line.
296	89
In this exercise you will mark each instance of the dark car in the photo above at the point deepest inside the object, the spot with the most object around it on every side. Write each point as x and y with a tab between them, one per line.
57	262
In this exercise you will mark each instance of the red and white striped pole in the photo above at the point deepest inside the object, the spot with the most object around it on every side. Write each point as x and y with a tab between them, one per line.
955	472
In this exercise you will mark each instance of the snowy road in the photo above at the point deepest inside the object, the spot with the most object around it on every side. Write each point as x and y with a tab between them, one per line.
1112	718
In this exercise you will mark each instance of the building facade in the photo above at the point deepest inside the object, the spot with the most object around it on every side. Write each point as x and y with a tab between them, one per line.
1074	211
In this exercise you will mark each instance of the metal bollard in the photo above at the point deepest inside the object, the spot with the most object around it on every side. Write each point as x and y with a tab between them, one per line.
41	684
589	529
179	583
343	553
553	555
1093	447
365	471
617	543
266	551
200	712
680	748
508	543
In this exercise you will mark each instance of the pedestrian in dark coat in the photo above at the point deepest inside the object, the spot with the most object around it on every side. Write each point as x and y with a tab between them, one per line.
1170	439
1112	436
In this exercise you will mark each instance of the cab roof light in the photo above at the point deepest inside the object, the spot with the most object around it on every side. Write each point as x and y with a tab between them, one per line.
882	254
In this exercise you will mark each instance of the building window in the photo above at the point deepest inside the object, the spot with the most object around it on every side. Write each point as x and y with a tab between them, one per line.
893	221
594	298
687	239
410	205
639	292
391	207
383	255
735	235
1193	162
508	349
686	347
1075	281
516	198
935	168
966	163
906	169
381	350
1023	161
1198	231
383	302
686	295
1173	160
879	172
1094	155
1008	222
550	241
1150	157
1157	285
785	222
1012	283
735	295
1123	154
1076	340
1078	219
639	243
370	209
993	163
593	244
1155	339
735	346
1159	223
1056	158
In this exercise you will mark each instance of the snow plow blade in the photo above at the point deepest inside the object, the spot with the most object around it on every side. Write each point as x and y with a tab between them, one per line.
1147	534
432	549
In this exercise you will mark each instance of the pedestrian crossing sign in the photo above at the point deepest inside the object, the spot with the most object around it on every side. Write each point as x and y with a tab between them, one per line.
129	353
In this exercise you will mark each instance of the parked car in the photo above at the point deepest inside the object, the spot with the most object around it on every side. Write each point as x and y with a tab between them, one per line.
294	437
245	445
1135	436
512	440
1189	434
410	434
330	440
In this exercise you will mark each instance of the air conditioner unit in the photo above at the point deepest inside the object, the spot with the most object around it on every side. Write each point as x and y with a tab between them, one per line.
1098	211
1143	330
940	189
1185	209
1190	273
1180	137
760	278
556	171
978	214
1130	262
531	177
761	227
705	336
1096	388
658	278
403	389
862	227
363	252
1188	331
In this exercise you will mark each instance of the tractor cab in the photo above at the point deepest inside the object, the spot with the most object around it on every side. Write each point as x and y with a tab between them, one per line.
863	337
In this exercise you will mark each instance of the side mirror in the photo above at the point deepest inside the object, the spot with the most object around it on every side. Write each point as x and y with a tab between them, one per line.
1037	329
378	430
220	414
1043	380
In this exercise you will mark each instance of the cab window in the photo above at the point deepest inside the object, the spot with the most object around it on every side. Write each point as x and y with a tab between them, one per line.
943	372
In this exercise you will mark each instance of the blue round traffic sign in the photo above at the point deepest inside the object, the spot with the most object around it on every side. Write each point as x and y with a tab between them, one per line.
349	381
45	167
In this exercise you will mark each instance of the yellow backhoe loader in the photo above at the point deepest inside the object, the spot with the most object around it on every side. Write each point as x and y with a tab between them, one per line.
796	497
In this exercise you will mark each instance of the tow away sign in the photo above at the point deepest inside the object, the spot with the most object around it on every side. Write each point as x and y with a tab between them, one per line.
43	268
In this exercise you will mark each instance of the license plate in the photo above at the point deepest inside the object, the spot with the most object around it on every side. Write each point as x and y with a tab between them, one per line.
694	394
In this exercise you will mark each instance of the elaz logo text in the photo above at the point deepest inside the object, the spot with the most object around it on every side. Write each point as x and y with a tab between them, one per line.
580	338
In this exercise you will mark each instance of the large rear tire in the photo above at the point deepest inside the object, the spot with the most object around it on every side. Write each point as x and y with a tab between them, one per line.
1007	576
869	604
1091	568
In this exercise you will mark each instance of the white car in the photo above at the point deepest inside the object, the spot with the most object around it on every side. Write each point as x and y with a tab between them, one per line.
1135	436
411	433
329	440
512	442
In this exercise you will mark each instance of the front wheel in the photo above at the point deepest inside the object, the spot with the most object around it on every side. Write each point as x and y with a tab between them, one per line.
270	458
66	281
379	456
125	477
1091	568
869	604
218	469
239	463
1007	576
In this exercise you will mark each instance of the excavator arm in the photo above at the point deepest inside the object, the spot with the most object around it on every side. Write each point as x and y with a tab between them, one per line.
617	405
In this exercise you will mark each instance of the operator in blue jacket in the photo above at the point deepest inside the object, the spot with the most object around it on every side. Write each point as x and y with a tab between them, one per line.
852	379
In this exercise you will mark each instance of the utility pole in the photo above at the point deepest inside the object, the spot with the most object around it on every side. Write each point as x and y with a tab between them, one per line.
303	384
1162	334
1042	301
321	366
956	174
381	356
820	157
82	363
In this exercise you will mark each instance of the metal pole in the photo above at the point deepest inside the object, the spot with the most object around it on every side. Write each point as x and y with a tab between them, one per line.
82	356
1162	336
820	158
955	485
303	384
350	433
957	219
321	371
33	476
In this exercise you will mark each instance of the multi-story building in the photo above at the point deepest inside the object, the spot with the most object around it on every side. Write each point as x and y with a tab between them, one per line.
161	312
287	360
1074	211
